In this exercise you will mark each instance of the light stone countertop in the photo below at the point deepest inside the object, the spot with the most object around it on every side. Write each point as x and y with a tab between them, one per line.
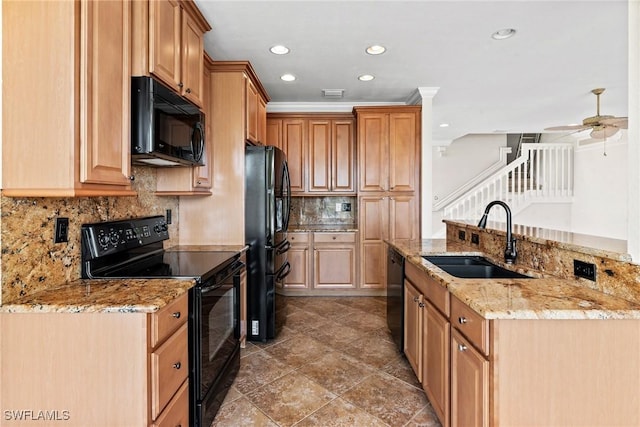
540	297
103	296
322	228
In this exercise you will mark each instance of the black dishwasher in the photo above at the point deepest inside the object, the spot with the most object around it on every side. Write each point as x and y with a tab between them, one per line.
395	296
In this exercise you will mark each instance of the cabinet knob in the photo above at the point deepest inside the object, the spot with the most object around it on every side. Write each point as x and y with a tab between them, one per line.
421	304
176	314
199	182
180	85
462	320
177	365
334	237
415	299
188	90
462	347
132	178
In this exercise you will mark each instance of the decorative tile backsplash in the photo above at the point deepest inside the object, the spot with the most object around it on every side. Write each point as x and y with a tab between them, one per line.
31	261
322	210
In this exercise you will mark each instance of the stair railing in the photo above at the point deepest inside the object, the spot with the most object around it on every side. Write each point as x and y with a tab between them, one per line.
543	172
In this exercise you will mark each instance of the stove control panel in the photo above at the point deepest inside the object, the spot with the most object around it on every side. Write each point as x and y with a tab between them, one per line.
107	238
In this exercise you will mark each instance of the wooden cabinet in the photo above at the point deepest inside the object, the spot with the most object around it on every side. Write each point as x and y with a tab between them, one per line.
320	150
262	121
192	181
388	148
413	327
75	119
135	364
299	258
168	42
469	384
252	113
334	256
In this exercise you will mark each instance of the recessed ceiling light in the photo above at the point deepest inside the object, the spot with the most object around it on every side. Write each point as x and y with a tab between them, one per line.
444	125
288	77
279	49
376	49
366	78
505	33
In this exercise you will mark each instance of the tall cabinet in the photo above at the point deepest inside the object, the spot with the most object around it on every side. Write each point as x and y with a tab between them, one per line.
388	144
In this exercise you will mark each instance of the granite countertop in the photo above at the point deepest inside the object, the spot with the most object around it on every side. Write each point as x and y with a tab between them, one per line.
540	297
209	248
322	227
103	296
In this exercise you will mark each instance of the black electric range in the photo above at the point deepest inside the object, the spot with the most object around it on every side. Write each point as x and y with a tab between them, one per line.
133	248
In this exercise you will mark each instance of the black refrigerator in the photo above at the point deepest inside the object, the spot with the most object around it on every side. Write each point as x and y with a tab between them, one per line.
267	206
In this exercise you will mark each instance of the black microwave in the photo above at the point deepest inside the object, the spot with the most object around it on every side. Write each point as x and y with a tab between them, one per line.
166	129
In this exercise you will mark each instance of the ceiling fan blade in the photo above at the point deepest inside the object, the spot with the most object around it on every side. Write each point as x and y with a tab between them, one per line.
603	133
568	127
619	122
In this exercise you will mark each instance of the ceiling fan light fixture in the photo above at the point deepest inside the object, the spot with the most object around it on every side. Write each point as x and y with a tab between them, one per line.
503	34
366	78
288	77
279	49
375	49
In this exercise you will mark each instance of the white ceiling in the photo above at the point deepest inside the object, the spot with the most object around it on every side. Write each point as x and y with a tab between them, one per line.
539	78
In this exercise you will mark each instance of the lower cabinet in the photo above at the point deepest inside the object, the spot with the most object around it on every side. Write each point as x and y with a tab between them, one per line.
413	327
469	384
332	267
97	369
436	354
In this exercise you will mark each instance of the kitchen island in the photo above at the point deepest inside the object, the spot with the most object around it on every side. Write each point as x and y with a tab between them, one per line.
550	350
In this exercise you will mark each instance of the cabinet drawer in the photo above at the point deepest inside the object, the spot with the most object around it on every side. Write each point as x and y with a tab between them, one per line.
298	238
334	237
169	369
416	276
471	324
438	295
168	319
177	411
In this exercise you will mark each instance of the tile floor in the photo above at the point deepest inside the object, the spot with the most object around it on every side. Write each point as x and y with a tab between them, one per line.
334	364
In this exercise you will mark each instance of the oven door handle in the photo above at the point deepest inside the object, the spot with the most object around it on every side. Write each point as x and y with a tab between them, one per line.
283	271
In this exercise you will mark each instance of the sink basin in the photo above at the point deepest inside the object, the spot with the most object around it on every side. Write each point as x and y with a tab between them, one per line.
472	267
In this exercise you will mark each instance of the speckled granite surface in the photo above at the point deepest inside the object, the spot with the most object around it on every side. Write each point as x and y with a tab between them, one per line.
322	227
106	296
541	297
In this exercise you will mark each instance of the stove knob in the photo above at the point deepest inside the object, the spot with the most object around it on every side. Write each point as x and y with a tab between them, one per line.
113	238
103	240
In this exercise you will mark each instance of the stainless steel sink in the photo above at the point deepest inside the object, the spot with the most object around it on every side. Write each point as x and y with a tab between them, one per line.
472	267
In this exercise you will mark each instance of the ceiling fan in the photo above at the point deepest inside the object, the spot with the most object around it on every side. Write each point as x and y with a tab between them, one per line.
601	127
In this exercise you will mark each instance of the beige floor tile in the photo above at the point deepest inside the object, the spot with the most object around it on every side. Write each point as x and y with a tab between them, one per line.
259	369
339	413
400	369
393	401
304	321
365	321
290	398
241	412
425	418
336	372
336	335
298	350
372	350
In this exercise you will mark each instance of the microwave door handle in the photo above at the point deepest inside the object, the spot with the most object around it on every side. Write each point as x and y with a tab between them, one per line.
197	147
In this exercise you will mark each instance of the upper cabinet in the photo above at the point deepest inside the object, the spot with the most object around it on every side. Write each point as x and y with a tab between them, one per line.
66	131
388	148
320	150
168	42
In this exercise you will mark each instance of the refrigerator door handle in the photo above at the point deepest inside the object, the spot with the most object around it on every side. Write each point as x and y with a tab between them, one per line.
283	271
286	183
283	247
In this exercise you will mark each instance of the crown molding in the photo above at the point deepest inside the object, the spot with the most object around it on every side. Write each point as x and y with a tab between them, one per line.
421	93
321	107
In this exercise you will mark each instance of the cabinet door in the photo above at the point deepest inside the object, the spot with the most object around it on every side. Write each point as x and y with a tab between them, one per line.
373	141
435	373
469	384
342	156
165	41
334	267
404	153
274	133
262	121
105	94
373	222
192	60
413	326
294	138
251	123
319	156
298	278
403	217
202	174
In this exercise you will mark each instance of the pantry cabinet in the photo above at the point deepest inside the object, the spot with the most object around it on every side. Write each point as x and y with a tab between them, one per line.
75	118
192	181
169	44
320	150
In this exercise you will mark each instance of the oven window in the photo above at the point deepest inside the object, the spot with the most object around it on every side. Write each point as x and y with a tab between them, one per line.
218	340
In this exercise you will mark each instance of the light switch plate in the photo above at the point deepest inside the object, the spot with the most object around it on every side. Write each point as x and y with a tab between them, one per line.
338	207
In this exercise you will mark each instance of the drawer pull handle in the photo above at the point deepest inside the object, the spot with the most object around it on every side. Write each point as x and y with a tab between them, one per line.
462	320
177	365
462	347
334	237
176	314
421	304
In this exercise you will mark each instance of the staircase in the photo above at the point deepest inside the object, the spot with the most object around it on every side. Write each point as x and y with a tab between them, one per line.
541	173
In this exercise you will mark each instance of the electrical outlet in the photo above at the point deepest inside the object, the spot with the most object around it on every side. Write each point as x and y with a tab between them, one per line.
338	207
585	270
168	216
462	235
475	239
61	230
346	207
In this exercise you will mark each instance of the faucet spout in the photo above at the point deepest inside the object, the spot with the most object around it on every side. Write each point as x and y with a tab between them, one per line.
510	252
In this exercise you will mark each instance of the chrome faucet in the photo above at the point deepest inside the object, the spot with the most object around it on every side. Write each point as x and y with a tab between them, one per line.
510	252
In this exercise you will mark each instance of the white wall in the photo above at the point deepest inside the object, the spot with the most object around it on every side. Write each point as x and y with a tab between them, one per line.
554	216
